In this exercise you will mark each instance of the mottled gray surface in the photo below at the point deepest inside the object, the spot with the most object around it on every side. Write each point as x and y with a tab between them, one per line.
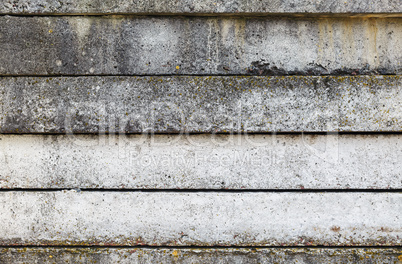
199	45
246	37
200	255
200	104
201	162
200	218
198	6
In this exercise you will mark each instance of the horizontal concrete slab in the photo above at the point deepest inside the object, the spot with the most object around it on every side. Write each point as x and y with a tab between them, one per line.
198	6
202	162
131	45
200	104
199	255
200	218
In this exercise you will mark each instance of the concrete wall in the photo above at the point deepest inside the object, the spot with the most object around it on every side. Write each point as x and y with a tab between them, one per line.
200	131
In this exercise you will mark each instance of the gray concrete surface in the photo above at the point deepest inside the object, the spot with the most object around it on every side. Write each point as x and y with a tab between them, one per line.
199	40
200	104
128	45
202	162
200	218
200	255
198	7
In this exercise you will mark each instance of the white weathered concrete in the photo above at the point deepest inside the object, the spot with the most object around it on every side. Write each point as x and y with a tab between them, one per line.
202	161
131	45
199	7
200	104
200	255
204	219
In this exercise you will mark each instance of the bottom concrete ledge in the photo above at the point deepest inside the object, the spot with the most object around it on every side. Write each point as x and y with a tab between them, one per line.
200	255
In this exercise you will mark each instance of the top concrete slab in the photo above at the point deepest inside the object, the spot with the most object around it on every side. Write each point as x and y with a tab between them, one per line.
200	7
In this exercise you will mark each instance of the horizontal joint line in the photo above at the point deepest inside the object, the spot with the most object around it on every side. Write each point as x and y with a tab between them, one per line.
397	190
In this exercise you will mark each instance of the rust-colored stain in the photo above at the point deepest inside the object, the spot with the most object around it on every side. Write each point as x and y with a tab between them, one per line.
385	229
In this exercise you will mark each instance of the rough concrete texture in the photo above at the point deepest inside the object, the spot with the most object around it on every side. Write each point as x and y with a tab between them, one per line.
202	162
200	218
200	104
200	255
198	6
131	45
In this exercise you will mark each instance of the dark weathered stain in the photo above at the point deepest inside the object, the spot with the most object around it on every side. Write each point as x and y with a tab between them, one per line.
263	68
